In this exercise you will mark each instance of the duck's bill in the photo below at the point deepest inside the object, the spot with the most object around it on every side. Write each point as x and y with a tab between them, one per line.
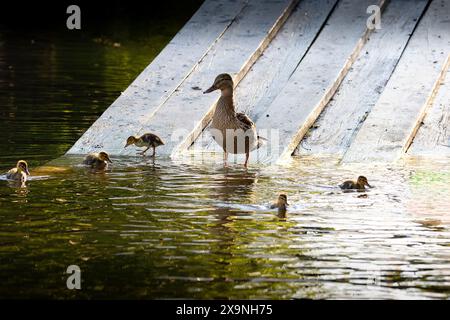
109	160
27	172
367	184
211	89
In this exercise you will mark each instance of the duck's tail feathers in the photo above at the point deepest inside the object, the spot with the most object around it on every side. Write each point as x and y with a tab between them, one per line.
261	141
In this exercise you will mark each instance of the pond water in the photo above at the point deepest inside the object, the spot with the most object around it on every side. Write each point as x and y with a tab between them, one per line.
171	229
167	229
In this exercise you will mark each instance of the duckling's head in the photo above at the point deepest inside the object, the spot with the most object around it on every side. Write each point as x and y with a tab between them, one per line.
363	181
282	200
131	140
104	157
22	165
223	81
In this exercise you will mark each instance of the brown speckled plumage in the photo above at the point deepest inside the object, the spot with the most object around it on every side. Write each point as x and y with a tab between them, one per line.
225	120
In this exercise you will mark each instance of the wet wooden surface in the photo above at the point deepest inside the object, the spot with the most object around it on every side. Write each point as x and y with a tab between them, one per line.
337	125
394	120
315	80
433	137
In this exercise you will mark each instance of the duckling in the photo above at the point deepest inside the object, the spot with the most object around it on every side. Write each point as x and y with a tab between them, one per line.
97	160
19	173
281	204
148	140
359	184
226	119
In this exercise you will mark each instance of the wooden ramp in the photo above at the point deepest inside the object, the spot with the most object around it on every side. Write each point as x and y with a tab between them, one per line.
393	122
337	125
433	137
310	73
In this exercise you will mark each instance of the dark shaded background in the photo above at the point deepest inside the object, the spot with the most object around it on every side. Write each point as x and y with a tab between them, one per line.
52	14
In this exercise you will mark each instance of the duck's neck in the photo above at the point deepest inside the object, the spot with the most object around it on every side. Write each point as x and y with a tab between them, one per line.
226	103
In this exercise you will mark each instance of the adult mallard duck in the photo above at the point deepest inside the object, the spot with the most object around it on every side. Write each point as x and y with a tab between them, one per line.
148	140
97	160
281	205
235	132
359	184
19	173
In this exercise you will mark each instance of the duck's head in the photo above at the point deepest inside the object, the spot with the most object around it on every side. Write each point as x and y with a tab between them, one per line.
223	81
363	181
22	165
131	140
282	200
104	157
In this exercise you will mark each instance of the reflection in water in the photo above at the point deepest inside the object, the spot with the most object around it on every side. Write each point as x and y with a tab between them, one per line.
162	229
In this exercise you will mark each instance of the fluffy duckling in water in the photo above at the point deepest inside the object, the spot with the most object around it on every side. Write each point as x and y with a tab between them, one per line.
19	173
281	205
359	184
97	160
148	140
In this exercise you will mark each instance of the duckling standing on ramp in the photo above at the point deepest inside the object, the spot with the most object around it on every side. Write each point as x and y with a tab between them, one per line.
19	173
226	122
97	161
148	140
359	184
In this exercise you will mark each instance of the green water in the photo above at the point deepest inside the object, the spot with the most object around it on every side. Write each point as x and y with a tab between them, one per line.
167	229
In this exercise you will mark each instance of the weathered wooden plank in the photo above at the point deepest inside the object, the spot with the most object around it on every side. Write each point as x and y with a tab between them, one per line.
161	78
183	116
338	123
393	122
271	71
433	137
315	80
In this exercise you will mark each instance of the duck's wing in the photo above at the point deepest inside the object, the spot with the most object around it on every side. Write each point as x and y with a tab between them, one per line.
11	173
346	185
247	123
90	159
151	138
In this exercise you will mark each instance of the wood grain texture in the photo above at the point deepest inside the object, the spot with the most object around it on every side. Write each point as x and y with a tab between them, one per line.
433	137
394	120
160	79
271	71
315	80
184	115
337	125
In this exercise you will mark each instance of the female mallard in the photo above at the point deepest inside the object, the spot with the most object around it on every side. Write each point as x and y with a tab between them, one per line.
148	140
240	130
19	173
97	160
359	184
